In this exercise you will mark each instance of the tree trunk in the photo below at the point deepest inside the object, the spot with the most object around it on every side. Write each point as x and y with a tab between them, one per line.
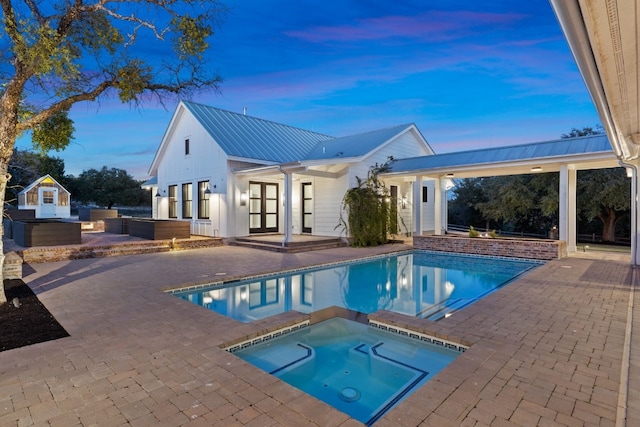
4	178
608	219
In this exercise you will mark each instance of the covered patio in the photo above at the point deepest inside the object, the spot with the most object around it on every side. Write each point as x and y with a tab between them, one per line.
564	156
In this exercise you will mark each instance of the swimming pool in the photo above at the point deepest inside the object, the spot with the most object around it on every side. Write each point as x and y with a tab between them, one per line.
359	370
430	285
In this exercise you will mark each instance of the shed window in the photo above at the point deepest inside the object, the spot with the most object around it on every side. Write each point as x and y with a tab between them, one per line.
32	196
425	194
187	199
173	201
186	147
47	197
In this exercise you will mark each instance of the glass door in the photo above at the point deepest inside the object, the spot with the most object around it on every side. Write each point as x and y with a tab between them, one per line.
263	207
307	207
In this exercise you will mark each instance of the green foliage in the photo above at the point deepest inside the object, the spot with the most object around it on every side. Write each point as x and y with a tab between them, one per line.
473	232
529	203
371	218
63	52
105	186
190	38
585	131
493	234
603	188
604	194
466	194
55	133
132	80
26	167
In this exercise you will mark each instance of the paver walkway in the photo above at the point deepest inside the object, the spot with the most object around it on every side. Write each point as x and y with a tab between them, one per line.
546	350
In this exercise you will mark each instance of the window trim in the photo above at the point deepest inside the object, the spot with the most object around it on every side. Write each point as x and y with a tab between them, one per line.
173	201
187	200
203	200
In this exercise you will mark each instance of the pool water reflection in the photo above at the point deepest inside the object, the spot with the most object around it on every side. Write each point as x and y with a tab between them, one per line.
426	284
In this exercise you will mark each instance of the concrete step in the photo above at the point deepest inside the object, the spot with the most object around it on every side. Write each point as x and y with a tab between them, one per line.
297	247
70	252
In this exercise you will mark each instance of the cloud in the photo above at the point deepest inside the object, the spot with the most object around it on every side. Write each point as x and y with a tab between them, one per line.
432	26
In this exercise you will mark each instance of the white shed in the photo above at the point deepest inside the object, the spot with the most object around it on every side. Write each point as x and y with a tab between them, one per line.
47	197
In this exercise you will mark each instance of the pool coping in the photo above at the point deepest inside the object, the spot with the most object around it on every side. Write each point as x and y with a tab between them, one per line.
382	319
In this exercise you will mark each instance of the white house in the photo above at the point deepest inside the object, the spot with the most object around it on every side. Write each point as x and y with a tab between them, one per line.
234	175
47	197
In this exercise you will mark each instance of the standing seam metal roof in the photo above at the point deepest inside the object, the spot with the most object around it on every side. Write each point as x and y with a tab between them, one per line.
250	137
253	138
539	150
354	145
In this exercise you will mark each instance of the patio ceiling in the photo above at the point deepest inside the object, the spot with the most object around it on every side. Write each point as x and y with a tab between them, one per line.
603	36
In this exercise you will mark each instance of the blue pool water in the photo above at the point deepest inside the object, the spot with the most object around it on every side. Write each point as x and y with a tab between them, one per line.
359	370
429	285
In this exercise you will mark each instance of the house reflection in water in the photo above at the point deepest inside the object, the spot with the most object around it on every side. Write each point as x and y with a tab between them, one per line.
424	284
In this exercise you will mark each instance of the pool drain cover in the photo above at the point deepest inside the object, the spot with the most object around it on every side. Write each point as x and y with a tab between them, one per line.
349	394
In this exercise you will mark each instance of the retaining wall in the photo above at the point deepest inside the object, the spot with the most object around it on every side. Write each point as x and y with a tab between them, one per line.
517	248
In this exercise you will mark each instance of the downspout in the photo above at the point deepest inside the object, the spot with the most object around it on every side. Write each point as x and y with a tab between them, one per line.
634	209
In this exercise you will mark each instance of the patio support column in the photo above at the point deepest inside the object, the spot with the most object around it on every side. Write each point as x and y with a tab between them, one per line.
635	256
437	207
417	204
567	208
288	207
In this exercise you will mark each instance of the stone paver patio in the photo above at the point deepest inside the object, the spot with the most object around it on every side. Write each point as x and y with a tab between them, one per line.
549	349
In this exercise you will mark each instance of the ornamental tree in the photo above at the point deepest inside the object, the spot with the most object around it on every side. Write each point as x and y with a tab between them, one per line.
56	53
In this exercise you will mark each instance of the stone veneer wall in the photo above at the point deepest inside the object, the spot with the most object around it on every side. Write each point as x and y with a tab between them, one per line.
517	248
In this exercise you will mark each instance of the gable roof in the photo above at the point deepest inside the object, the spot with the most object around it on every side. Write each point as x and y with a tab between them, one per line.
263	141
355	145
253	138
588	145
43	179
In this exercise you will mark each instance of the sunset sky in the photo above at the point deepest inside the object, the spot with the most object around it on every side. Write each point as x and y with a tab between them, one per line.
468	74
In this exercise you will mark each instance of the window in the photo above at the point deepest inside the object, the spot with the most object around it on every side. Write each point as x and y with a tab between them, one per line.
203	200
425	194
187	198
186	147
32	196
47	197
173	201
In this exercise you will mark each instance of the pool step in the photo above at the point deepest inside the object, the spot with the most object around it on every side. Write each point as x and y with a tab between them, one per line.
448	306
275	244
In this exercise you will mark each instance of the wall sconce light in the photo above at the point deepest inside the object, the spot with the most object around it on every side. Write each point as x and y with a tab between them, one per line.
158	193
403	203
207	191
244	197
536	169
449	175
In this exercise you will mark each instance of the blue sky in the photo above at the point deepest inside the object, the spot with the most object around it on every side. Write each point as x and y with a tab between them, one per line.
468	74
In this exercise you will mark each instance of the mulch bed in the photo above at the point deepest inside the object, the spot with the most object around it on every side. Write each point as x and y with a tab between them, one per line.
30	323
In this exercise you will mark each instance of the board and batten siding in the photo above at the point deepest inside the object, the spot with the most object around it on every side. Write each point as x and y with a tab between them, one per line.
403	146
205	162
327	204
